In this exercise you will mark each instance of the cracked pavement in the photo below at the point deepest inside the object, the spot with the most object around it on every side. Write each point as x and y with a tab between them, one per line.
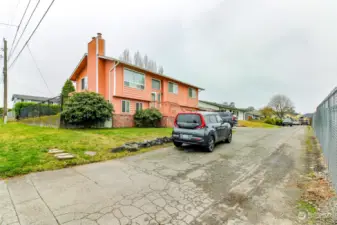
245	182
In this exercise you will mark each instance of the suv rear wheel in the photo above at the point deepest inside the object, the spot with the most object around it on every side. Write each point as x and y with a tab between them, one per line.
229	138
210	144
177	144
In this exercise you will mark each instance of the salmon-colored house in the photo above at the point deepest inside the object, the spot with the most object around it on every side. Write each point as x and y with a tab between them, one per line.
130	88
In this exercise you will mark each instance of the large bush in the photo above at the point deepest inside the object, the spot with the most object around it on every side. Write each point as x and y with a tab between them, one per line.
87	109
32	109
147	118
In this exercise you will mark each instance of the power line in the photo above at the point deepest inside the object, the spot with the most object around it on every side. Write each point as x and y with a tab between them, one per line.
7	24
37	67
17	30
17	56
15	10
24	29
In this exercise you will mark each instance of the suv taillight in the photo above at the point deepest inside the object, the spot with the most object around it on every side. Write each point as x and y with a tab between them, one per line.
175	124
203	124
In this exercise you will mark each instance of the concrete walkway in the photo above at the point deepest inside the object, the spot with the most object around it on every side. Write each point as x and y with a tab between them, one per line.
167	186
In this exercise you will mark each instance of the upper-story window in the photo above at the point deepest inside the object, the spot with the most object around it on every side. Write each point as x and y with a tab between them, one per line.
173	87
134	79
192	93
155	84
84	83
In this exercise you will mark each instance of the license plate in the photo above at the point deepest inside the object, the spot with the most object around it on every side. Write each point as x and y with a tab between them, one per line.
185	136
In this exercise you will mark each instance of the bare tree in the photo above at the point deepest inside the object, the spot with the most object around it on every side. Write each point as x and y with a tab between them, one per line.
152	66
232	104
126	56
146	61
138	60
281	105
161	70
250	108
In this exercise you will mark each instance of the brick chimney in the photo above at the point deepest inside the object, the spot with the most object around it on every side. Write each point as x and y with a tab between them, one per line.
96	47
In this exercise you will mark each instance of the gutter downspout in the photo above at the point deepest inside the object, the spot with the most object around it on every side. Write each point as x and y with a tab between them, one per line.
114	69
96	64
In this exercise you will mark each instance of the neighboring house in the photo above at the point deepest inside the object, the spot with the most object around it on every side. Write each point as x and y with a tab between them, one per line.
255	115
213	106
36	99
130	88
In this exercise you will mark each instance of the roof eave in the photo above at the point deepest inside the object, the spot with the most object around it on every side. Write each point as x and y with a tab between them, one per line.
72	77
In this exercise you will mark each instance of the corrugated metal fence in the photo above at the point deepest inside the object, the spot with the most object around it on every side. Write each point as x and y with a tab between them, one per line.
325	127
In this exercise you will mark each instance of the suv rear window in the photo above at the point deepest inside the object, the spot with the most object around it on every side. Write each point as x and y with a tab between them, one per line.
189	118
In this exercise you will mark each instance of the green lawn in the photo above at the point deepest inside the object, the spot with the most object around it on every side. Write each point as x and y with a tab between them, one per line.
23	148
255	124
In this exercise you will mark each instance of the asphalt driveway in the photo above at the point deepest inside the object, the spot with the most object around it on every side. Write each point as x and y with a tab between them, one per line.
245	182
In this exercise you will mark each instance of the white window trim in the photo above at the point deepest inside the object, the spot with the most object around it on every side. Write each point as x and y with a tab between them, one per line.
122	106
124	68
139	103
192	92
169	88
159	84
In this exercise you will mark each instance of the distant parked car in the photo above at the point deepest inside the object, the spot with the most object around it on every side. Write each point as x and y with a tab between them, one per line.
287	122
229	117
204	129
295	122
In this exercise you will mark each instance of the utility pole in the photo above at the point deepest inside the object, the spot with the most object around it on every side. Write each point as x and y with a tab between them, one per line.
5	82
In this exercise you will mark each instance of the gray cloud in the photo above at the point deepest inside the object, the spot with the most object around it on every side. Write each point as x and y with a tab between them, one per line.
242	51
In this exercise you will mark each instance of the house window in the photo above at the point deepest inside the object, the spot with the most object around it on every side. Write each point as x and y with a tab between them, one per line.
155	84
139	106
125	106
173	88
84	83
134	79
192	93
158	97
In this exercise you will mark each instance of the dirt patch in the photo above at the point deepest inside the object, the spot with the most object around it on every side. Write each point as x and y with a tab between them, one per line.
317	191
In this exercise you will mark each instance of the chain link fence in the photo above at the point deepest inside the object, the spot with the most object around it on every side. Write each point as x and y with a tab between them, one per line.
48	107
325	127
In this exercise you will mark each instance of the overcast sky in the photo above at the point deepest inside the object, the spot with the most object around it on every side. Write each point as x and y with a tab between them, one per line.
243	51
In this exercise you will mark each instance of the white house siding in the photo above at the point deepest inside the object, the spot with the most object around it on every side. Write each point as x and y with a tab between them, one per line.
241	116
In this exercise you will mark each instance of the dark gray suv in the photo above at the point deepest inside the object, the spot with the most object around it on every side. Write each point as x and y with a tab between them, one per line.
202	128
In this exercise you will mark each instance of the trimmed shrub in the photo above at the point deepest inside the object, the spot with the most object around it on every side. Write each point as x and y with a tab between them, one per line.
273	121
147	118
87	109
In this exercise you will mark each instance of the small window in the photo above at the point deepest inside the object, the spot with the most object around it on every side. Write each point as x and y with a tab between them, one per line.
125	106
207	119
192	93
139	106
218	118
158	97
173	88
84	83
155	84
212	119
